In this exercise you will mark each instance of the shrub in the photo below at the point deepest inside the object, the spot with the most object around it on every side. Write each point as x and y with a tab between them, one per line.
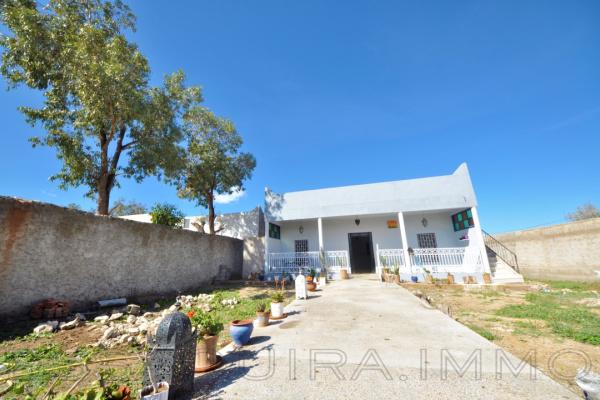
166	214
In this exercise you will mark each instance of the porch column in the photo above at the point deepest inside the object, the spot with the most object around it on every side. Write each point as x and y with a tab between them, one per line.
404	240
481	242
266	254
320	227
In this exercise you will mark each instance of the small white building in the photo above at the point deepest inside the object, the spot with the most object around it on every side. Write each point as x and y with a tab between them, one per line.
416	225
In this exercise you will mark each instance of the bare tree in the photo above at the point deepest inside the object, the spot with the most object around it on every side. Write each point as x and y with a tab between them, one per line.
584	211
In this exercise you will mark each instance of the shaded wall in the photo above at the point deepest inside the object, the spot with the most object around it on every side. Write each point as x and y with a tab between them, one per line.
48	251
569	251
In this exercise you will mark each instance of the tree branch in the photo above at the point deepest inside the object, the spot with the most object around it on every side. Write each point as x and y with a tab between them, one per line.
128	145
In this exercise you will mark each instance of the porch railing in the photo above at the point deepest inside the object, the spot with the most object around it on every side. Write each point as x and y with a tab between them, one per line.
294	263
390	258
435	260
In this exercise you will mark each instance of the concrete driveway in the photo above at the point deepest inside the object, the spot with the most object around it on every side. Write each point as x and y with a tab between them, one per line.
361	339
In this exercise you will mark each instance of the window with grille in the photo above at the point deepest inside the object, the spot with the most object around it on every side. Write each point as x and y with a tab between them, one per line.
301	246
427	240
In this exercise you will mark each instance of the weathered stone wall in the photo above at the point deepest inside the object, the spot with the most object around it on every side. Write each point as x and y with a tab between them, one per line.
569	251
48	251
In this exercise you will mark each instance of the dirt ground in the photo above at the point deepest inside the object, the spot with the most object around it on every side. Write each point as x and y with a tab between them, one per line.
77	345
556	356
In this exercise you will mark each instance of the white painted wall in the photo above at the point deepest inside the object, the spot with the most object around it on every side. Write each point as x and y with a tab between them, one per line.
438	223
336	230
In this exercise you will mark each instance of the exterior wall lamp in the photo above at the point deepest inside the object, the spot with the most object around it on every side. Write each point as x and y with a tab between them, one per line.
301	229
424	222
357	221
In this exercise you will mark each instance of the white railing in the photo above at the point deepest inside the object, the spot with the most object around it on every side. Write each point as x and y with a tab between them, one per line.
390	258
447	259
435	260
294	263
336	260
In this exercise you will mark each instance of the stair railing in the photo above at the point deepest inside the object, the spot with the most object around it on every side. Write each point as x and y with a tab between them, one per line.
507	255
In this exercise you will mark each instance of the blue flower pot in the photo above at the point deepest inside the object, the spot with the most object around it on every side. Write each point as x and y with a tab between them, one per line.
241	331
415	279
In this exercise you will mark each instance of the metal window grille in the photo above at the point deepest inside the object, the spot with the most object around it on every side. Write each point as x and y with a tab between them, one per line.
301	246
427	240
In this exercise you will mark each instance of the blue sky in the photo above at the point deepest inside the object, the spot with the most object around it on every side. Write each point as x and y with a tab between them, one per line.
336	93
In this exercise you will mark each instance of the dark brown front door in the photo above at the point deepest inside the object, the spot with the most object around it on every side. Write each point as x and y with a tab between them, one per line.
361	252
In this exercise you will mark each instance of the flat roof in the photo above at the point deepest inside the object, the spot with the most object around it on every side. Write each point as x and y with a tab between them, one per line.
422	194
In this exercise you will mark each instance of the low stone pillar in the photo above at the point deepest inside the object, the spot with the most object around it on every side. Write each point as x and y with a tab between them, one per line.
171	356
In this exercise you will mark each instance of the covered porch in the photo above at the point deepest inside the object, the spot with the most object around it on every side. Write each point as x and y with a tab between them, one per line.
412	242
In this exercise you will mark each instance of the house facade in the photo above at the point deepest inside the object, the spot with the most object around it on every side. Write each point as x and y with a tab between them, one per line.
417	226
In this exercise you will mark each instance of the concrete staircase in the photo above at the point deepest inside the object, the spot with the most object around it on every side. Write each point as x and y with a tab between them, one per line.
503	262
503	273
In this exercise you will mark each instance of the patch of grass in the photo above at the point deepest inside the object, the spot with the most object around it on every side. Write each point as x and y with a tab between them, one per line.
576	286
488	294
563	317
483	332
34	360
527	328
492	319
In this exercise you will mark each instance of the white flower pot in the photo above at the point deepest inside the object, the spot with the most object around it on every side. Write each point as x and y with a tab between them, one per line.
276	310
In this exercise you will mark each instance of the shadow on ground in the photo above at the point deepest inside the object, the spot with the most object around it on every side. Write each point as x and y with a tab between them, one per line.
237	365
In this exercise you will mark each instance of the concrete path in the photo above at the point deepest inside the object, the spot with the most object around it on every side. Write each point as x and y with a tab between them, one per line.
361	339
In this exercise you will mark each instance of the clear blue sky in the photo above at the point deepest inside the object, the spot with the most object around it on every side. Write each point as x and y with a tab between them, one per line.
336	93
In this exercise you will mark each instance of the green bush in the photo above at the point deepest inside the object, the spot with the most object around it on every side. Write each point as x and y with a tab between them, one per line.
166	214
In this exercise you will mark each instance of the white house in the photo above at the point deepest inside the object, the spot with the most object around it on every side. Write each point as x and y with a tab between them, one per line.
417	225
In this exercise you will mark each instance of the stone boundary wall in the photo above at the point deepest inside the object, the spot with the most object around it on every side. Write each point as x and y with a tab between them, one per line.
47	251
569	251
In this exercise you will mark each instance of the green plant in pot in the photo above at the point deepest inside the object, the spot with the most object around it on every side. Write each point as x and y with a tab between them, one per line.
277	304
395	273
310	280
207	327
262	314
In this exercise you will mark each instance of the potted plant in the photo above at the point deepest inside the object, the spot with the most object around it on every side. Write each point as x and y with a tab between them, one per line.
277	305
262	315
395	274
240	331
207	328
311	286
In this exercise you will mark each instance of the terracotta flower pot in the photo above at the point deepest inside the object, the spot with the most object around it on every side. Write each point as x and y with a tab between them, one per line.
206	351
396	279
311	286
344	273
262	318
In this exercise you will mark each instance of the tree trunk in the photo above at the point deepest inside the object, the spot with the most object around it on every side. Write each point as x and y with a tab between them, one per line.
103	197
211	215
108	172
